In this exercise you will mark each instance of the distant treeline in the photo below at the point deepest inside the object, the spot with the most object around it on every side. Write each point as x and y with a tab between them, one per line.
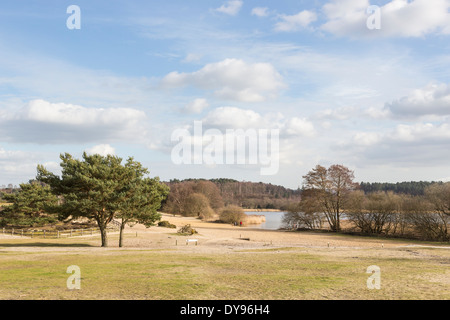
251	195
414	188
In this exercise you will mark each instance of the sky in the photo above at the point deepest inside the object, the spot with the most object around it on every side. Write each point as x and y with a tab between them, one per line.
361	83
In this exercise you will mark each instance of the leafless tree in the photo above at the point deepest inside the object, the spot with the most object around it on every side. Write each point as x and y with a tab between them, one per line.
328	191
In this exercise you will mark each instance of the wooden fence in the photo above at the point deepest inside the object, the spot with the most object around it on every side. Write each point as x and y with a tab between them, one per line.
46	234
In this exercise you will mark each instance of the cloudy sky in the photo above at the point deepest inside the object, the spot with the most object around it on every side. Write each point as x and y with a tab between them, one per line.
341	82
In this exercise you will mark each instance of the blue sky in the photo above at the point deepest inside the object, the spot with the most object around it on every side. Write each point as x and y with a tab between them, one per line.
375	100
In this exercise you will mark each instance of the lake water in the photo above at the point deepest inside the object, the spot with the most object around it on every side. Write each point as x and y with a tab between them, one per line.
273	219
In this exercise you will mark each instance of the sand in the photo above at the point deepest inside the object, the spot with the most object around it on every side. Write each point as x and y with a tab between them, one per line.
218	238
214	236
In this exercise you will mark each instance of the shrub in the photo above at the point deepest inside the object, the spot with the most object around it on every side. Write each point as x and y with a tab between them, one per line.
187	229
232	214
197	205
166	224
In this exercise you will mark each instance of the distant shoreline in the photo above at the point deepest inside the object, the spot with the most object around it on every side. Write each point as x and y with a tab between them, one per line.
262	210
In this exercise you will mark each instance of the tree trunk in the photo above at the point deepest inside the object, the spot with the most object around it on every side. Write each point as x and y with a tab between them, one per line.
122	227
104	235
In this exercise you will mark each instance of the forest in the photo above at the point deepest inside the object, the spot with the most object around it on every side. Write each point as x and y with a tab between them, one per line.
331	200
249	195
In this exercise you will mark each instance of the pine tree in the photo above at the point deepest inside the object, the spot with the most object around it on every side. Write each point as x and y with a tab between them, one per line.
140	198
30	206
97	187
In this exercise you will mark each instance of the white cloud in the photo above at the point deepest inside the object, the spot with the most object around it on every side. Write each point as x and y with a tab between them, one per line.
196	106
237	118
101	149
434	99
231	8
377	113
421	133
341	113
234	118
232	79
366	138
415	145
41	121
403	134
192	57
399	18
18	166
299	127
295	22
260	11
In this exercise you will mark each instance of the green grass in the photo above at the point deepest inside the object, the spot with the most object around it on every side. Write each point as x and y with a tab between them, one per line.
286	273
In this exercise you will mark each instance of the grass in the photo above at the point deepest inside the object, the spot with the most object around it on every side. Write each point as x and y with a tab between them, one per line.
285	273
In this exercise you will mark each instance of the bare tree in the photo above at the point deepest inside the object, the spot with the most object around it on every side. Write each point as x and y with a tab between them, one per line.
197	205
374	213
328	191
301	216
439	196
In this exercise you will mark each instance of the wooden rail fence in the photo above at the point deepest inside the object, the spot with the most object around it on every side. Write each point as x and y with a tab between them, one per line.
46	234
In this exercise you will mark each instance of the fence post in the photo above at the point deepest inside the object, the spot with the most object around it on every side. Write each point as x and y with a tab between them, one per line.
44	234
70	232
12	232
58	235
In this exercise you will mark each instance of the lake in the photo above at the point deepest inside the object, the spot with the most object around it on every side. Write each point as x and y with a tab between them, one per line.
273	219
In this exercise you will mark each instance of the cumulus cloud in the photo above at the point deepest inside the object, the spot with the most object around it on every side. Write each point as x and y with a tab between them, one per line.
196	106
231	8
295	22
232	79
418	145
285	134
237	118
101	149
233	118
40	121
434	100
298	127
399	18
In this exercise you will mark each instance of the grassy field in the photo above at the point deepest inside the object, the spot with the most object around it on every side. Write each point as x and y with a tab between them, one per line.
36	269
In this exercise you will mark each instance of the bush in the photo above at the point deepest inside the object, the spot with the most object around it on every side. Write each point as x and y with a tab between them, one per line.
232	214
166	224
187	229
197	205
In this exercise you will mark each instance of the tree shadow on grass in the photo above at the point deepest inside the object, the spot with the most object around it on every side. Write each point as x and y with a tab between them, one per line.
45	245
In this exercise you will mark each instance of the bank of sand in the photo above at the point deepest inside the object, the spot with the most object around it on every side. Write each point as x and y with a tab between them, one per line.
221	238
213	236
